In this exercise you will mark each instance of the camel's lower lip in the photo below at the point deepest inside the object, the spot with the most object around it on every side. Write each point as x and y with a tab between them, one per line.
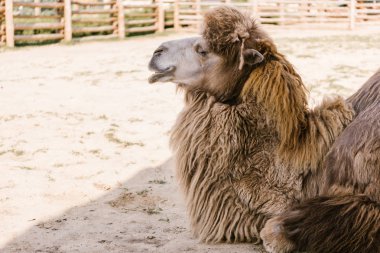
159	75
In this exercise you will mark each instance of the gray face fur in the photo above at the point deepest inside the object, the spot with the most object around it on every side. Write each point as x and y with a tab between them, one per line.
185	62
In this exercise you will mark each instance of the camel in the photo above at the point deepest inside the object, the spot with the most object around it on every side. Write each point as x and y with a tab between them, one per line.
255	163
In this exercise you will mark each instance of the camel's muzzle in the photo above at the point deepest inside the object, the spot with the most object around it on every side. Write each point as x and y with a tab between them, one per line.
161	75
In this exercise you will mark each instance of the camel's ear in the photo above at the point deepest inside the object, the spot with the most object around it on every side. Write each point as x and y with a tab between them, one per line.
252	56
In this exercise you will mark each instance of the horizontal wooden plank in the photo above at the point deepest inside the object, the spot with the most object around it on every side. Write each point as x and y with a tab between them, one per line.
2	9
100	11
214	3
368	5
141	21
39	37
190	17
368	11
304	14
194	4
367	17
271	20
140	15
37	17
187	11
141	29
314	2
38	26
93	3
132	6
364	24
93	20
39	5
93	29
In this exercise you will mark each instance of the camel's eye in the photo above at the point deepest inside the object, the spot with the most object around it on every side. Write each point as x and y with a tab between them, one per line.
202	52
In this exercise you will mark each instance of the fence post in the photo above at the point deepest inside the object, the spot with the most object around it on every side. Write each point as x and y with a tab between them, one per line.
282	12
9	25
120	19
68	23
198	14
256	10
161	16
352	14
37	10
176	16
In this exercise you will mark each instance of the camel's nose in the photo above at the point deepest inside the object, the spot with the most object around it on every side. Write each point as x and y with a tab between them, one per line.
159	51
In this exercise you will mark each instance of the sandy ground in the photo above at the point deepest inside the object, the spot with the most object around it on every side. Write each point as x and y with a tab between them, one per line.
84	157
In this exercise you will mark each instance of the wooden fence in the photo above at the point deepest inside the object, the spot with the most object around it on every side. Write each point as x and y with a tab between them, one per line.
31	21
2	22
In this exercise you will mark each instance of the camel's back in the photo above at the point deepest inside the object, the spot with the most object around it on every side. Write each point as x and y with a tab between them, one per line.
368	94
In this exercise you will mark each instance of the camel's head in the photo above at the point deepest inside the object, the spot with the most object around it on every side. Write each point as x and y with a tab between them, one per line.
219	62
185	62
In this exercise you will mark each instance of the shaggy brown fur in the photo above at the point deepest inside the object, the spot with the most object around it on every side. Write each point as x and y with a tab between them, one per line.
338	224
249	148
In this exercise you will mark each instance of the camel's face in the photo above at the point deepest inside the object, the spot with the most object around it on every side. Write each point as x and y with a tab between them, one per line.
185	62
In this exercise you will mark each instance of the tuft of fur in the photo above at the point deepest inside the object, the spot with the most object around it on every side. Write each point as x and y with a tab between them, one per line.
334	224
226	29
305	135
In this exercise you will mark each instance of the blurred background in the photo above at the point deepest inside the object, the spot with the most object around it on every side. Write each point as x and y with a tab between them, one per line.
85	164
42	21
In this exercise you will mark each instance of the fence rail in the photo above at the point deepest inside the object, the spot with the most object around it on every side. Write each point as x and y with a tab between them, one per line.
31	21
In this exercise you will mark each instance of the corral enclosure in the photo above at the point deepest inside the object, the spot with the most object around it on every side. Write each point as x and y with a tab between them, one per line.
84	140
36	21
86	165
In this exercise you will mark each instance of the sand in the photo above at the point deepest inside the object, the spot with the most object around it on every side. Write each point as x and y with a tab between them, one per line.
84	156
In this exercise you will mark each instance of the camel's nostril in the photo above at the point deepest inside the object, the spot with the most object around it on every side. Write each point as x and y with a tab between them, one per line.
159	51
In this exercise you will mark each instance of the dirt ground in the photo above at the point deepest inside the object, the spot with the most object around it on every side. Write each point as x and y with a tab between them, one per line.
84	157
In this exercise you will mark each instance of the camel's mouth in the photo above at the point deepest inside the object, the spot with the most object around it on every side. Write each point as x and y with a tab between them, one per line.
162	76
